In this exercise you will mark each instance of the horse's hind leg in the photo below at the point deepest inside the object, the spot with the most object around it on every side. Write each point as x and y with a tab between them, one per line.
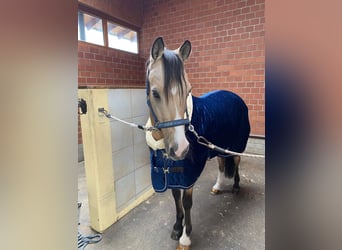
218	187
178	226
236	186
228	167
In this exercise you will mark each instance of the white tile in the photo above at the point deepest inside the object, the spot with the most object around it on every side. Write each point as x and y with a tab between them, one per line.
139	106
122	135
119	103
138	134
124	205
125	189
142	178
123	162
141	154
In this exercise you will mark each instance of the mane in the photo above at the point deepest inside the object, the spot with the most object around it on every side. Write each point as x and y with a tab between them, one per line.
173	72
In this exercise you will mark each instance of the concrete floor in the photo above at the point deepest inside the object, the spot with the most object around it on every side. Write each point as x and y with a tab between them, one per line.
225	221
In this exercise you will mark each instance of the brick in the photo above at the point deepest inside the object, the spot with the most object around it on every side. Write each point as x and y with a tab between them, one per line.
255	8
250	15
91	80
254	21
99	57
81	80
84	73
259	27
249	29
94	50
88	55
245	10
260	13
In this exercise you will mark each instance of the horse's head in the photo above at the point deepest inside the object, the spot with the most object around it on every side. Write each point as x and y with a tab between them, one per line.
167	91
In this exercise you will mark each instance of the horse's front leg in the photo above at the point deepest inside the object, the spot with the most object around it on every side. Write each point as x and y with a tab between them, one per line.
184	241
178	226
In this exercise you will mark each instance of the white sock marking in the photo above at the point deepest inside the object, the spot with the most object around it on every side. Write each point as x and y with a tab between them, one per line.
219	181
184	240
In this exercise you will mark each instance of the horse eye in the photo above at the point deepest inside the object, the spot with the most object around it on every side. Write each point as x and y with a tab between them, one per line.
155	94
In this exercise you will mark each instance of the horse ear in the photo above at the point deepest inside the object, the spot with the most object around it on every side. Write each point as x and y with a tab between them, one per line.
157	49
185	49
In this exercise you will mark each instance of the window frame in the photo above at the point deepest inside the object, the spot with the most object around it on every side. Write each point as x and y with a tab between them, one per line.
103	37
109	23
105	19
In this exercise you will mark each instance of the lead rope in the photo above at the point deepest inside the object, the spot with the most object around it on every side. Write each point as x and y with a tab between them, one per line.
84	240
157	125
204	141
142	127
200	139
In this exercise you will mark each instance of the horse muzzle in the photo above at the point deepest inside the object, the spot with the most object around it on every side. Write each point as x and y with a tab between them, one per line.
178	154
179	146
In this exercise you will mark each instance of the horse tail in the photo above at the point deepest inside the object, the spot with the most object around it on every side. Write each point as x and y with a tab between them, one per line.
229	167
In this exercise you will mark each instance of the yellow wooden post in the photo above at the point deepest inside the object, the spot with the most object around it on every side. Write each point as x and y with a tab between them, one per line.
97	147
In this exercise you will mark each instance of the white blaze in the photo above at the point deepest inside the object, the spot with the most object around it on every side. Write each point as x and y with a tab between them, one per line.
179	137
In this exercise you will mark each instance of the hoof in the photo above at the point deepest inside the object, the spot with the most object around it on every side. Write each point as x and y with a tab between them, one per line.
181	247
236	190
175	235
215	191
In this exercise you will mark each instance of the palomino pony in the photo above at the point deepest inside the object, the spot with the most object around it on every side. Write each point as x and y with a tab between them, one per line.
177	159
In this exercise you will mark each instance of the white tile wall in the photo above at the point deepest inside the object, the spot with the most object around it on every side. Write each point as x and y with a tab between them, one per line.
139	106
140	152
123	162
142	178
119	102
125	189
138	134
122	135
130	152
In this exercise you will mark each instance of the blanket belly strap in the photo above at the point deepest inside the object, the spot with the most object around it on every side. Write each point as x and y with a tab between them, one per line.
175	170
168	170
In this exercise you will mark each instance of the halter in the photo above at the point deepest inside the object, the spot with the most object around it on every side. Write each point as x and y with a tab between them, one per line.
168	124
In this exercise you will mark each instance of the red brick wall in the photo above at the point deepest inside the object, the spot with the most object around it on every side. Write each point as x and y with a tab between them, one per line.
228	45
228	48
101	67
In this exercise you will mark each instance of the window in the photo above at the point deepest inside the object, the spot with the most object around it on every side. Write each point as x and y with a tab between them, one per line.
122	38
101	29
90	28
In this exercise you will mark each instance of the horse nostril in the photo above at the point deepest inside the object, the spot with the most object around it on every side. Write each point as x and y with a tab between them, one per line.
173	150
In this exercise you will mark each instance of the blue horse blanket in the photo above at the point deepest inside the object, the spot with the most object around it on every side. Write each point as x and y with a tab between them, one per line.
221	117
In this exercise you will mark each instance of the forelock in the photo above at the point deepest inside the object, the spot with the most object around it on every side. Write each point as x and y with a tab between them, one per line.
173	72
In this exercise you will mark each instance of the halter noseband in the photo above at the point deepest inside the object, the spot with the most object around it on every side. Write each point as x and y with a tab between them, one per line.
168	124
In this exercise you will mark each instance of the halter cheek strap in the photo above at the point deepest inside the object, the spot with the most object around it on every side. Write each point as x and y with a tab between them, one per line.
167	124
